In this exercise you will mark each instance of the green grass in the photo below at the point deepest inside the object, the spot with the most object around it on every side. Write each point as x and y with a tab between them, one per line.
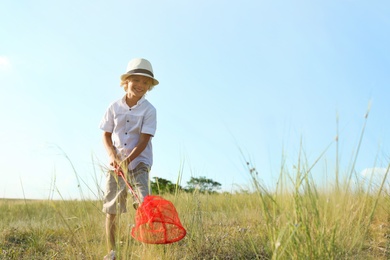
298	219
302	224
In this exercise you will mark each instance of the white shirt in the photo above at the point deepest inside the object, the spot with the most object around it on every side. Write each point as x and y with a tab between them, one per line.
126	125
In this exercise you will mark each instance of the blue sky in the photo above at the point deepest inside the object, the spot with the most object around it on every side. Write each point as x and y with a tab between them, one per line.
239	81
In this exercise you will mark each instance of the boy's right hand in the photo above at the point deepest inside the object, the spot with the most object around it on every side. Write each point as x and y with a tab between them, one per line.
114	162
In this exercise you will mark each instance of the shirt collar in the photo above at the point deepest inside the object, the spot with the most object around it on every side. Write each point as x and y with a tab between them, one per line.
138	103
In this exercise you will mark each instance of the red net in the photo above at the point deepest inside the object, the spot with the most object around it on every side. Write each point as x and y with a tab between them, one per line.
157	222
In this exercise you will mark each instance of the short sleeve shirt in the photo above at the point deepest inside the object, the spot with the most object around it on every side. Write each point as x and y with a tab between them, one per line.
126	125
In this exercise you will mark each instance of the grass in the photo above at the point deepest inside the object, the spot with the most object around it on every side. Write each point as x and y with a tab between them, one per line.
301	224
298	219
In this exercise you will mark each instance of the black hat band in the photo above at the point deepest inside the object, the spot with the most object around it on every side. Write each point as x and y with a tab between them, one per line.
148	72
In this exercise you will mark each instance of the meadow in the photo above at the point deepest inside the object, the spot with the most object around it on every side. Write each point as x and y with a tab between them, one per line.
295	221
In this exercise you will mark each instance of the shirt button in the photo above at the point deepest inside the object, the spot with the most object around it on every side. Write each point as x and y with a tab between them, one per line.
125	133
127	121
125	144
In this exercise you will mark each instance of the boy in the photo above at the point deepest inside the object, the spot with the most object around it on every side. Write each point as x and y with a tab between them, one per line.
129	125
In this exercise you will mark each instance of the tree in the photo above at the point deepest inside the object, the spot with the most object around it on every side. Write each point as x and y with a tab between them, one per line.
161	186
203	185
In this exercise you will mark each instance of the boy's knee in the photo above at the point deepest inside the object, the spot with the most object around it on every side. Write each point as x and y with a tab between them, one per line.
110	217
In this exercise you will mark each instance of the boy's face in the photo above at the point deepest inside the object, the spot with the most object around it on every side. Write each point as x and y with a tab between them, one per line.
137	85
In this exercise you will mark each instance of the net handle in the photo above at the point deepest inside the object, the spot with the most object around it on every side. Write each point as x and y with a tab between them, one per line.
120	173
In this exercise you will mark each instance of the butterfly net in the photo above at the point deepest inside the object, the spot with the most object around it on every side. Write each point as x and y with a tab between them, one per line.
157	222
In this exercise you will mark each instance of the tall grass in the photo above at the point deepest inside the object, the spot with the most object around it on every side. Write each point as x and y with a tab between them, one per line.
298	219
305	222
302	224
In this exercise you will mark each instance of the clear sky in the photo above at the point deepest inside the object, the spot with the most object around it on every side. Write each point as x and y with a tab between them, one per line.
239	81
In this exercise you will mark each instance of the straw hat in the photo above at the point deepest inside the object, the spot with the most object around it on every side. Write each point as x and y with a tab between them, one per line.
141	67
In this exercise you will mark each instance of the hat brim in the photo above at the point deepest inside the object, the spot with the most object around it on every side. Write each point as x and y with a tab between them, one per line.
124	76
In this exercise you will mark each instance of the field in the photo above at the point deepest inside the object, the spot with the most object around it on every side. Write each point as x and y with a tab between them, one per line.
295	221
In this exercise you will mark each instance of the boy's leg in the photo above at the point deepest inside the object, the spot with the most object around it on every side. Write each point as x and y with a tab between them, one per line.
140	179
115	197
110	231
114	203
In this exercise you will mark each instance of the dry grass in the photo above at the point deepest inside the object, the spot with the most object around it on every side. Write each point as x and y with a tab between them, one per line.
296	220
220	226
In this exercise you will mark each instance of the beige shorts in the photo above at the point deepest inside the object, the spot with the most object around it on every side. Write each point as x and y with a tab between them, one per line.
115	198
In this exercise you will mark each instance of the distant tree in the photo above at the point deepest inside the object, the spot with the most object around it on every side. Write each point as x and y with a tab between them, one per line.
161	186
203	185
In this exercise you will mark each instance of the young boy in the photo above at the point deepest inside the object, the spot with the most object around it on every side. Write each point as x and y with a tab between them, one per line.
129	125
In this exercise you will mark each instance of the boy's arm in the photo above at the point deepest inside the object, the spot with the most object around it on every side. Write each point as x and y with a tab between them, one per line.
141	145
107	141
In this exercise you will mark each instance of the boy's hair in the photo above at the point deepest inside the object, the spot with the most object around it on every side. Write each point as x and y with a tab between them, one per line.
125	80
